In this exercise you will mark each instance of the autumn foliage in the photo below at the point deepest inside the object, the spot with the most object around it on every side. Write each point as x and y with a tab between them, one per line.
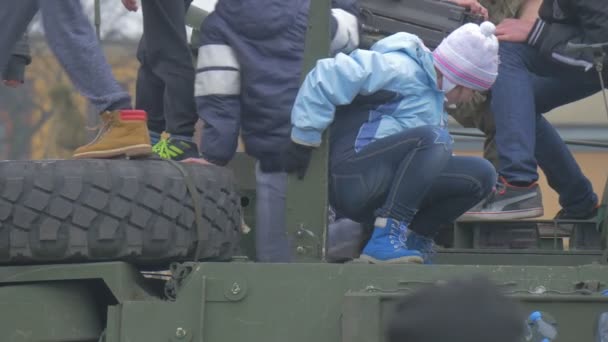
46	117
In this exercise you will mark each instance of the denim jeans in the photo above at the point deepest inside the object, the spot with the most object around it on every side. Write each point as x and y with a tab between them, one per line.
528	86
410	176
271	240
72	39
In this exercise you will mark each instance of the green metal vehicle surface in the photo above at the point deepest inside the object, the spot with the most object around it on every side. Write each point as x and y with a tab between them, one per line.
310	300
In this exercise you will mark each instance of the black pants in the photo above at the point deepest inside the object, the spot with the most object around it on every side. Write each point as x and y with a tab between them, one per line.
165	81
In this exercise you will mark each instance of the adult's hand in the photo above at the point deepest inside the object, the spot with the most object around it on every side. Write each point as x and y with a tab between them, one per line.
474	6
131	5
514	30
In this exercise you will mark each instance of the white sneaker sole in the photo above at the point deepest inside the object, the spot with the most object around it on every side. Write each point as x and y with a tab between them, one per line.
502	215
403	260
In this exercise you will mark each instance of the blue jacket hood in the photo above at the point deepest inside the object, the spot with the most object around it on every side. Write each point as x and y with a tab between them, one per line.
412	46
399	65
258	19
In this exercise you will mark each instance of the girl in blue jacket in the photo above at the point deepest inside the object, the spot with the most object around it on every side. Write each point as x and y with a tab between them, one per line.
391	156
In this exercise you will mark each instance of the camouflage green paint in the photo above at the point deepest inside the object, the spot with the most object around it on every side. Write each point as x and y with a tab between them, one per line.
304	302
306	218
49	311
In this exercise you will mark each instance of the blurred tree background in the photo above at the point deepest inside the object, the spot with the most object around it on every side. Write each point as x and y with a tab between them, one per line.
46	118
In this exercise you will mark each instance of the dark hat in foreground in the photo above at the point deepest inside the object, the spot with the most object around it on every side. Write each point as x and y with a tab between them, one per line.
460	310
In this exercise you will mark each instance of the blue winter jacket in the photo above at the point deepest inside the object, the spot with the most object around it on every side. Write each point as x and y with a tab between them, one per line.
398	70
249	71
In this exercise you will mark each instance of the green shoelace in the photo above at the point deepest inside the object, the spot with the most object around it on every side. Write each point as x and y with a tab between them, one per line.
164	149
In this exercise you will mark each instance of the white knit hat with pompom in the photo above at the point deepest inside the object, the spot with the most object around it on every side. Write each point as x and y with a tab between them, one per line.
469	56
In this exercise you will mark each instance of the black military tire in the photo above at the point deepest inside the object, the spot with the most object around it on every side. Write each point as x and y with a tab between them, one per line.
140	211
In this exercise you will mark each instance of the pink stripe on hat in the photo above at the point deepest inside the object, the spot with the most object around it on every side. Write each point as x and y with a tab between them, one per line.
469	56
458	75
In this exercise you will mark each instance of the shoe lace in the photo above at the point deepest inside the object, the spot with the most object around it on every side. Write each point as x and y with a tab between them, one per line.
162	146
397	235
106	122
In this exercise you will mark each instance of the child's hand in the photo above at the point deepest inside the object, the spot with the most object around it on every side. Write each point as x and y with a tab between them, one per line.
12	83
130	5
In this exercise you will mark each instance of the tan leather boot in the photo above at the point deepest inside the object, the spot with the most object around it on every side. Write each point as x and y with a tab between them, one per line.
123	133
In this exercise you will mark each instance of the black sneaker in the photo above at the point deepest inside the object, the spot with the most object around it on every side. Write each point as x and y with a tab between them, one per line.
508	202
174	148
565	215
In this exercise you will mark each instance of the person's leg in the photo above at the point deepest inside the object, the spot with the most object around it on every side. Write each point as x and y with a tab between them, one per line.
563	174
392	176
168	57
463	183
15	17
271	240
515	114
484	121
416	172
73	41
576	195
178	73
527	86
489	149
149	92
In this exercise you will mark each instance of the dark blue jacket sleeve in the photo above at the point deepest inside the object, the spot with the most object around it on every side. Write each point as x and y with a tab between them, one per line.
217	93
574	21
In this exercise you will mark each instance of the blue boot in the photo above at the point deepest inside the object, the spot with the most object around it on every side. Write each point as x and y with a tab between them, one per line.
424	244
388	245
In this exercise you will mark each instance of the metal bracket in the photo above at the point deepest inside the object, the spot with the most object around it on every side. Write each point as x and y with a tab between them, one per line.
179	272
306	242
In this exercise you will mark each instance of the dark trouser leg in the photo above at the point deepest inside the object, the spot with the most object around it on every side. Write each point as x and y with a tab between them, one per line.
527	86
515	115
15	16
564	175
463	183
165	55
149	91
522	91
